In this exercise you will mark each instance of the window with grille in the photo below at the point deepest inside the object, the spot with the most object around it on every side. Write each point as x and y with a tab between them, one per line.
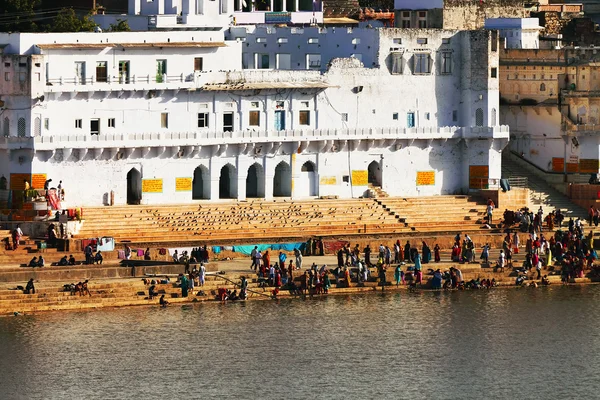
6	126
479	117
422	64
396	63
37	126
304	117
254	118
21	127
446	63
202	120
101	72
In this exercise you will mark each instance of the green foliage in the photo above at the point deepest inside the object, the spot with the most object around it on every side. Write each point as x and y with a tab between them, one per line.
119	26
18	15
68	21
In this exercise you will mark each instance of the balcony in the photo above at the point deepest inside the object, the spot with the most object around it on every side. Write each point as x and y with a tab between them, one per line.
234	80
119	83
386	136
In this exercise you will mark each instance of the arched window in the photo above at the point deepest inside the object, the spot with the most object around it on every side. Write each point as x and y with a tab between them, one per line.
6	131
479	117
37	126
21	127
308	167
543	87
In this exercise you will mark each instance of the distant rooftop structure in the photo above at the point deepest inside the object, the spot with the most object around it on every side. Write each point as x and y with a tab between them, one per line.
519	33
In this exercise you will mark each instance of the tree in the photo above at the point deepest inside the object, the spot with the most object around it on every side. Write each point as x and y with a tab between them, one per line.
120	26
68	21
18	15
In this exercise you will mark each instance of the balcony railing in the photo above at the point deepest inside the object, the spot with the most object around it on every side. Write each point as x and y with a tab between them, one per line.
204	138
91	83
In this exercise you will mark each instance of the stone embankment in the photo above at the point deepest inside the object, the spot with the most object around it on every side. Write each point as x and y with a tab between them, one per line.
115	286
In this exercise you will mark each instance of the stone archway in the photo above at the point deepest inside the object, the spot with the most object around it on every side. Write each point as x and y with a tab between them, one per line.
134	187
228	182
374	171
201	184
282	180
255	181
307	184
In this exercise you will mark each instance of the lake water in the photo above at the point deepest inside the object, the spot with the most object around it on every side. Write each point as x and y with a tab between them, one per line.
500	344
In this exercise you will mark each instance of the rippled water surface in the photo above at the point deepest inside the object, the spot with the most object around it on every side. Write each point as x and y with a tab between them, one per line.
506	344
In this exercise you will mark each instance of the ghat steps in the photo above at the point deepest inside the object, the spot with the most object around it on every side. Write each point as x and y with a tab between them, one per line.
542	193
255	220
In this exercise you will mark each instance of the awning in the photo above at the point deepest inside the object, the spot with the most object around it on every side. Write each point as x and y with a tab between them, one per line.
339	21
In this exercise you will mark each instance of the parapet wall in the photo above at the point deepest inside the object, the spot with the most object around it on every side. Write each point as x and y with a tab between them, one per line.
514	199
471	15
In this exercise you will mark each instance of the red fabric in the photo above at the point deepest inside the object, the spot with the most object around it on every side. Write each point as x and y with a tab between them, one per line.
332	246
91	242
52	197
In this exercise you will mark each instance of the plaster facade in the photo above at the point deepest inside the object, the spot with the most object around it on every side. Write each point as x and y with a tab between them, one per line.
174	131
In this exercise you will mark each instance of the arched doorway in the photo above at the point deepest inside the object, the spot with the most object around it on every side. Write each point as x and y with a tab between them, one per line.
255	181
375	174
201	184
228	182
307	185
134	186
282	181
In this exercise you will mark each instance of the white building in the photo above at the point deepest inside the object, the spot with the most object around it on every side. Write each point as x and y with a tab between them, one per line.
518	33
146	15
177	117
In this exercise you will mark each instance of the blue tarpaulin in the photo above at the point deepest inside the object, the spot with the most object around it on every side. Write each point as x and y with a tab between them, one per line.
247	249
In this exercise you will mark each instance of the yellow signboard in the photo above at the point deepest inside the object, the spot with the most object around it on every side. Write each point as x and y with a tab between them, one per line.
589	165
425	178
152	185
38	181
328	180
360	178
17	181
183	184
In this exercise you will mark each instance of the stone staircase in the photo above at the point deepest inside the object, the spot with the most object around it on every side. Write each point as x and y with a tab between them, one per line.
541	192
376	192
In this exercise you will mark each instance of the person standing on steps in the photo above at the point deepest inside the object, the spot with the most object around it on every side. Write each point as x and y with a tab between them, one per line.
17	233
253	257
202	274
298	256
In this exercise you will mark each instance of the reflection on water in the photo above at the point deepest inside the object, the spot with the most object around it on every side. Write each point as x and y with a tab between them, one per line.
522	343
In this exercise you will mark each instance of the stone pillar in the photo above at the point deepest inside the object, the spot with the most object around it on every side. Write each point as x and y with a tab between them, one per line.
242	174
215	174
270	165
